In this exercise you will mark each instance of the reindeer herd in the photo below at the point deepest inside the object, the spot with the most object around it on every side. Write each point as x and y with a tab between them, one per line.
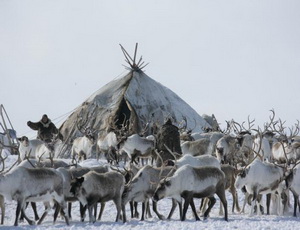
256	161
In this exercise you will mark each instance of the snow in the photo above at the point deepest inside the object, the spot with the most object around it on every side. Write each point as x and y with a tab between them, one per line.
215	221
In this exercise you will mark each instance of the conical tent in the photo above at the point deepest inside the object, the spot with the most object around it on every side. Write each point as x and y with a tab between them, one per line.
135	99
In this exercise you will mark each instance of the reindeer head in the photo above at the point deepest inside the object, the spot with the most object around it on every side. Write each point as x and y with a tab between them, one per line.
76	186
24	141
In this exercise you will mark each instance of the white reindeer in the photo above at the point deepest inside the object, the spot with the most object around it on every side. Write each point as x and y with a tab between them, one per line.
28	148
137	146
48	150
106	144
259	178
82	147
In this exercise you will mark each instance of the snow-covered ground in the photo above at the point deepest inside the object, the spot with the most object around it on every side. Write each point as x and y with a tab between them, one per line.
236	220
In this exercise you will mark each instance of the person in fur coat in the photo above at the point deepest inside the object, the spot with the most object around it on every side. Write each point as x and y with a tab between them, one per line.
47	131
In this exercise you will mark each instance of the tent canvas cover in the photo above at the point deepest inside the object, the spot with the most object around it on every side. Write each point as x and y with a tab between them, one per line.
135	99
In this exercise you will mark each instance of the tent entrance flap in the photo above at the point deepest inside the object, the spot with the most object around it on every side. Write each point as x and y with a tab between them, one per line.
123	114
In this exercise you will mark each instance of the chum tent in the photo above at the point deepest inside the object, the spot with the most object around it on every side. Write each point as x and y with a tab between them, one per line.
134	99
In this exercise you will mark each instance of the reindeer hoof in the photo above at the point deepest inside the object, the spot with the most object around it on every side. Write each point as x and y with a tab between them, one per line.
32	222
162	217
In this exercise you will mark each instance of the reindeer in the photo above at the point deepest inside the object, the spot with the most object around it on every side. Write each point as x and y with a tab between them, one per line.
48	150
230	175
142	187
226	150
292	183
33	185
28	148
137	146
33	163
72	173
99	187
189	182
82	146
195	161
212	121
267	182
108	145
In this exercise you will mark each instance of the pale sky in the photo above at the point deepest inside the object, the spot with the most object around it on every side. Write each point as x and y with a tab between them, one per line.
230	58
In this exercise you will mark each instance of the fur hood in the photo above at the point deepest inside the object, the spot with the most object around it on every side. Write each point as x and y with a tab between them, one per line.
46	125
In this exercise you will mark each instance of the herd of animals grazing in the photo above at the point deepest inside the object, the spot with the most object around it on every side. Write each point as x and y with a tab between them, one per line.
256	161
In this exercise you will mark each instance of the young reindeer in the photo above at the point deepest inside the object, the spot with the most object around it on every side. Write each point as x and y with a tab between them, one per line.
189	182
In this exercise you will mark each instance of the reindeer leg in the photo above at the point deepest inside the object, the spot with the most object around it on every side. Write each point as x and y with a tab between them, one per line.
236	201
118	204
91	216
211	204
30	222
82	211
180	210
174	204
254	203
136	212
21	215
124	213
192	204
57	210
131	208
221	194
185	206
160	216
268	203
18	211
63	210
69	210
101	210
47	208
95	209
296	198
148	211
2	213
204	205
143	211
33	205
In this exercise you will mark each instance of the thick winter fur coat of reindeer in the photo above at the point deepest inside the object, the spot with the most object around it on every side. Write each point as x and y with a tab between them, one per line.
142	186
189	182
259	178
33	185
99	187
